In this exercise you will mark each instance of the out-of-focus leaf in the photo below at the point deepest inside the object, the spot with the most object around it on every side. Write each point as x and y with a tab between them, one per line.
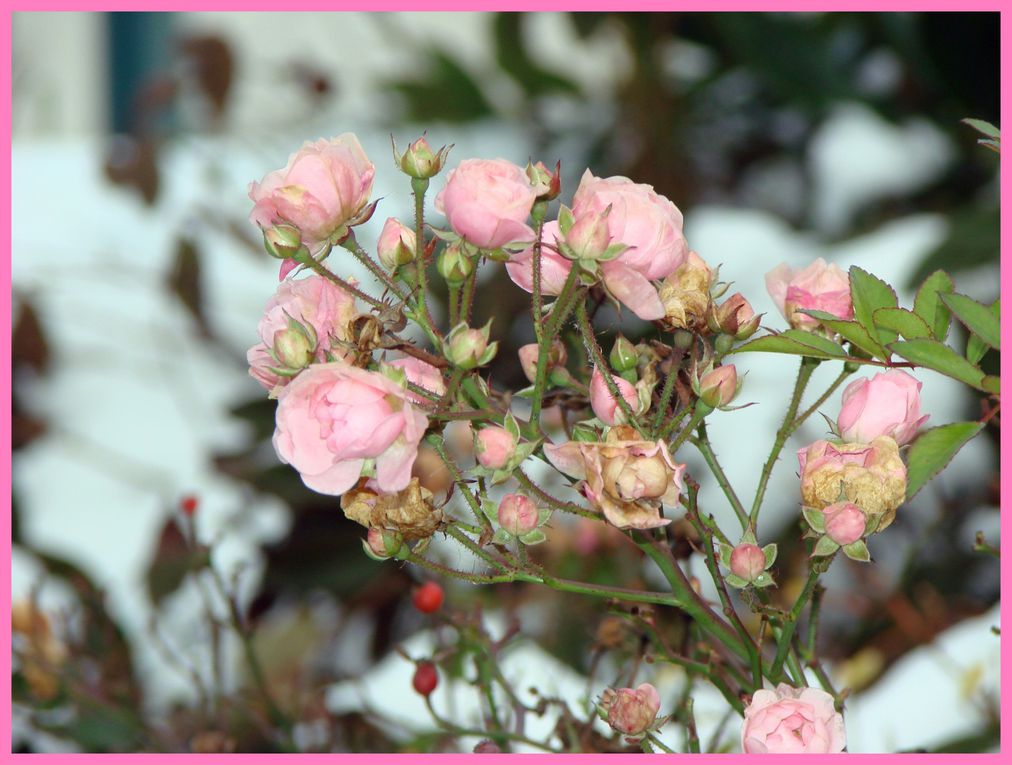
184	281
448	93
929	306
941	358
903	322
972	242
932	451
133	162
211	60
868	294
983	321
796	343
983	127
172	561
511	55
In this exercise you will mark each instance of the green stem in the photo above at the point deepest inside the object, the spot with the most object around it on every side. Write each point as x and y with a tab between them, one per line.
822	399
317	267
804	374
437	443
666	392
700	411
590	341
787	629
418	189
703	444
558	504
352	246
546	335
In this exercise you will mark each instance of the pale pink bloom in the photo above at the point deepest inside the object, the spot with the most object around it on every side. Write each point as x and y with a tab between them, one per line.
817	287
649	224
631	711
422	374
517	514
747	561
792	721
889	404
627	478
333	417
396	244
554	267
315	302
844	522
605	407
493	447
325	185
487	202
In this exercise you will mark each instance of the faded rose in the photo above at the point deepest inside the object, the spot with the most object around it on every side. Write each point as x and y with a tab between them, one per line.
487	202
631	711
792	721
817	287
626	477
888	404
685	293
333	418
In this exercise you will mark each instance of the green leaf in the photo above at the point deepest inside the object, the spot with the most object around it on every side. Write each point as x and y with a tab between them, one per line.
902	322
857	551
852	332
941	358
992	384
975	349
825	546
795	342
978	318
929	306
972	241
982	127
932	451
763	580
868	293
535	537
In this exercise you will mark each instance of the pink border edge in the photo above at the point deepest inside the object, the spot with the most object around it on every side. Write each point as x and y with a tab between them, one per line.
456	5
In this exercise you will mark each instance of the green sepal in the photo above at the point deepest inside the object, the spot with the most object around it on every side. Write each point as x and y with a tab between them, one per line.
770	553
825	546
857	551
816	519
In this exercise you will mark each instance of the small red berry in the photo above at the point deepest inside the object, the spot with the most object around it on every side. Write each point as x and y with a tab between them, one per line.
426	678
188	504
428	598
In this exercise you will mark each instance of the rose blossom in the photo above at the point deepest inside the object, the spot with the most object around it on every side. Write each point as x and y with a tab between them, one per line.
321	306
626	477
422	374
817	287
605	407
845	522
487	202
886	405
872	476
333	417
792	721
493	447
631	710
640	218
324	186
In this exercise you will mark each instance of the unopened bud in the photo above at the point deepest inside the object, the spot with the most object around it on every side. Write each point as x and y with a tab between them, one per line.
556	362
845	522
623	356
419	161
748	561
683	339
468	348
517	514
454	265
631	711
734	317
284	242
383	543
493	447
719	386
589	237
295	346
486	746
547	183
396	244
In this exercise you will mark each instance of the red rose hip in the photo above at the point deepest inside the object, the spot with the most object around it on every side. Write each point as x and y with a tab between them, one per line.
426	678
428	598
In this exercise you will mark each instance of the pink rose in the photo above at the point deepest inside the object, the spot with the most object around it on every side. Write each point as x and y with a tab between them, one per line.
324	186
517	514
818	287
605	407
631	711
747	561
649	224
493	447
422	374
333	417
487	202
627	478
719	386
396	244
792	721
845	522
889	404
554	267
324	312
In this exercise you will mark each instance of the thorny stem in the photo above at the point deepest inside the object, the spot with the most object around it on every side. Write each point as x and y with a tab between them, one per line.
317	267
352	246
545	336
703	444
590	341
787	630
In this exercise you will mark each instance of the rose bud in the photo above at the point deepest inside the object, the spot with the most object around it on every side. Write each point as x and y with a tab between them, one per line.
605	407
845	522
735	317
419	161
284	242
468	348
295	347
748	561
486	746
819	287
719	386
792	721
518	514
886	405
547	183
454	265
383	543
396	244
872	476
557	373
588	239
493	447
685	293
631	711
623	356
